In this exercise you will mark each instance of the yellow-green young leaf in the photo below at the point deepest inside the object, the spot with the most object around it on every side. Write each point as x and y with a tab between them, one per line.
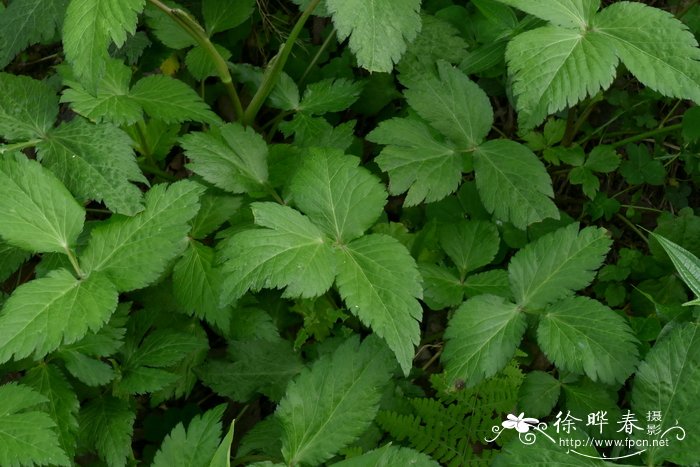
134	251
37	213
28	108
197	285
106	427
513	183
380	283
331	404
584	336
655	46
390	455
686	263
230	157
417	160
555	68
481	338
61	404
27	22
452	104
289	252
59	308
27	434
95	162
171	101
90	27
194	447
667	382
378	30
557	264
341	198
221	15
566	13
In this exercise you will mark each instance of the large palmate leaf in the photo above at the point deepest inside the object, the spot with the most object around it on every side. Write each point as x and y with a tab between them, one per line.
26	433
378	30
557	264
667	382
231	157
380	283
61	402
95	162
584	336
171	100
341	198
194	447
333	403
59	308
469	244
567	13
513	183
417	160
289	252
28	108
26	22
37	211
91	26
106	425
481	338
134	251
453	105
329	95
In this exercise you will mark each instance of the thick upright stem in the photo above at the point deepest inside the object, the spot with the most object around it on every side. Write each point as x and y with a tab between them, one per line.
274	69
192	27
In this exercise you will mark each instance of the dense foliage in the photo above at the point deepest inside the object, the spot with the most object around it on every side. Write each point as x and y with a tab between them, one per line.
349	232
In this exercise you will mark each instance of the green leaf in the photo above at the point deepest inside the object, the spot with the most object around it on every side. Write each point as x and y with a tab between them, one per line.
640	167
453	105
88	370
215	210
566	13
222	456
655	46
89	28
27	22
171	100
194	447
380	283
539	394
222	15
143	380
38	213
417	160
12	259
666	381
481	338
546	453
58	307
494	282
441	287
95	162
686	263
603	159
170	33
26	434
555	68
557	264
513	183
389	455
254	366
61	402
199	61
197	285
330	95
290	252
134	251
378	30
333	403
106	425
470	244
166	347
28	108
584	336
341	198
230	157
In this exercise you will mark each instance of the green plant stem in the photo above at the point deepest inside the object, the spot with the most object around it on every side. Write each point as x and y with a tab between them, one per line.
632	226
641	208
193	28
19	146
74	262
686	8
146	167
275	67
647	134
317	57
